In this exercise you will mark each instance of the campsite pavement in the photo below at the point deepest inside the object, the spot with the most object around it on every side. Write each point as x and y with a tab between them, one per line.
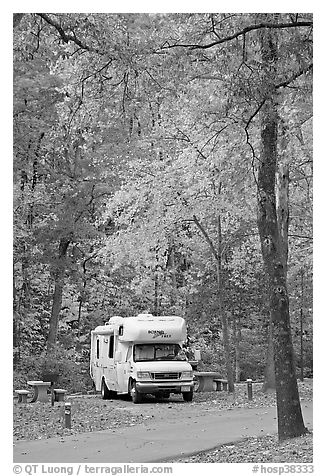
170	434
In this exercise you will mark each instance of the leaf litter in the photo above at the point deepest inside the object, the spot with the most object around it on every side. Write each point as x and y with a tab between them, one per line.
42	421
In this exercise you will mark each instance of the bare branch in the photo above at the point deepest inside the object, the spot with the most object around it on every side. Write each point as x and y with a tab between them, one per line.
207	237
213	25
302	237
66	37
247	29
294	76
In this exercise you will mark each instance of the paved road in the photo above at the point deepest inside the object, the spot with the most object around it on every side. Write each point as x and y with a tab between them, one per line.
157	440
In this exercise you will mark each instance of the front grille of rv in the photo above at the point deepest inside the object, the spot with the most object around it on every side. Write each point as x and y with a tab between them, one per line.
166	375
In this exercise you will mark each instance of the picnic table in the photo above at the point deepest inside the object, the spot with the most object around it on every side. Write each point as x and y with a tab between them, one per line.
40	389
194	364
206	381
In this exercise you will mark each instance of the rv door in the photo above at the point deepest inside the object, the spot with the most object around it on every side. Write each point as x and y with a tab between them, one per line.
110	365
124	368
95	367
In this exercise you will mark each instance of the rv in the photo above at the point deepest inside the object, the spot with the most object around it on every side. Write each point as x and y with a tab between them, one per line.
141	355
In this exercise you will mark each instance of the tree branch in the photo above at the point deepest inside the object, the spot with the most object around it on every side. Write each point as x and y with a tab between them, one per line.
207	238
245	30
302	237
66	37
294	76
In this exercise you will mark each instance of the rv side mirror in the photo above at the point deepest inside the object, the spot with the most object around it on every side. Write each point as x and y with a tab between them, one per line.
197	354
118	356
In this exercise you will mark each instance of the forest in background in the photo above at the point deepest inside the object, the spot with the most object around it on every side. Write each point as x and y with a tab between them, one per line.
137	147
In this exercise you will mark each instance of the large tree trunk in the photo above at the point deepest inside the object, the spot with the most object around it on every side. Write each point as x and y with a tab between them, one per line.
269	374
301	326
282	209
290	421
282	212
59	275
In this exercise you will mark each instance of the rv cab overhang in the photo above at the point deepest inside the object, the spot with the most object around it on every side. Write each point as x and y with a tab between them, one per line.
141	355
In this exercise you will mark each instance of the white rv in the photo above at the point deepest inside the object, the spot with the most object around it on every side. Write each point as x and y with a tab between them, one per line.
141	355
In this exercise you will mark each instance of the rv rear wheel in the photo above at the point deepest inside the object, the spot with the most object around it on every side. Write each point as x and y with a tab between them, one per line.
187	396
136	397
105	392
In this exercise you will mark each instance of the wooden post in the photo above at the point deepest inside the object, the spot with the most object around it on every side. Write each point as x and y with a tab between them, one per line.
249	388
68	415
52	393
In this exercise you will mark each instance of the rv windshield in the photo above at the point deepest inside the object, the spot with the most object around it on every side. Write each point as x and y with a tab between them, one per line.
146	352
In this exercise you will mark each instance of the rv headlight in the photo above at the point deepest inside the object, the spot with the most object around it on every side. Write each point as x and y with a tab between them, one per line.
143	375
187	374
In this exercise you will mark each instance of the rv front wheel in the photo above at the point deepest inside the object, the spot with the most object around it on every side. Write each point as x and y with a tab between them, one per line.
136	397
187	396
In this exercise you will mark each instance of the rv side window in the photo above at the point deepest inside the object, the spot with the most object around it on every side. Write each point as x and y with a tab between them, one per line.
111	346
97	349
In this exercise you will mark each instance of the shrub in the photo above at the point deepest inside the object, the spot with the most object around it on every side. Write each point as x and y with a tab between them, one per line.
71	375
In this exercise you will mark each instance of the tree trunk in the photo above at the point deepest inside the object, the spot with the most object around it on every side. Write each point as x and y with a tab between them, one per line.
58	290
301	326
173	275
282	208
269	375
156	303
237	338
290	421
16	342
220	305
224	320
282	211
